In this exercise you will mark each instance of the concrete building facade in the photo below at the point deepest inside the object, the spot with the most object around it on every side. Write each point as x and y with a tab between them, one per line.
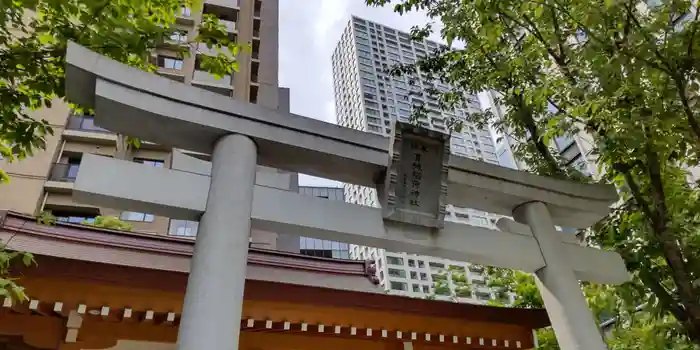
44	181
368	98
421	276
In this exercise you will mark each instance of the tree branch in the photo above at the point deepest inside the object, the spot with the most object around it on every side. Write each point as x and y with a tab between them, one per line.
669	244
692	34
680	84
652	282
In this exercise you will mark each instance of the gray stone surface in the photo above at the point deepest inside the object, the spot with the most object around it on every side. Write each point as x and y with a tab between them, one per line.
571	318
211	313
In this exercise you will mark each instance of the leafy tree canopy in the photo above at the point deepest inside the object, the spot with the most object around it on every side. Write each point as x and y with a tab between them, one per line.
33	40
624	75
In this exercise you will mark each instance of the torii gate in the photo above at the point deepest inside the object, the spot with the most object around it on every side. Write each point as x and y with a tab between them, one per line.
414	174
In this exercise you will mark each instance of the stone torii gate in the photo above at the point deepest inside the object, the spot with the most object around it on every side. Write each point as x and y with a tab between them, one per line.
414	174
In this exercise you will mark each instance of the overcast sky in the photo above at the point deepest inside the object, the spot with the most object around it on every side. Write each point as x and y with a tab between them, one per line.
308	33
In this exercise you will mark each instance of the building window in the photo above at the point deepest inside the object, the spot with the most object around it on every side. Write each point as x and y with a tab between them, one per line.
73	168
170	62
323	248
397	273
150	162
421	264
397	285
436	265
416	288
463	216
183	228
426	289
483	296
179	36
136	216
414	275
411	263
423	276
76	219
185	11
392	260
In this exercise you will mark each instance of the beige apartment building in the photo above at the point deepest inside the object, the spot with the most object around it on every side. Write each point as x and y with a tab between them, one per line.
44	182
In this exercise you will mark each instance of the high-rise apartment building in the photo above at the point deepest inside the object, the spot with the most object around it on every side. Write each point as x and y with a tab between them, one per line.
368	98
44	181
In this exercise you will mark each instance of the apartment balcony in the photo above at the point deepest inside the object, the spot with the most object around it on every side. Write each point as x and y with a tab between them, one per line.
204	50
61	177
225	10
202	77
84	123
83	129
256	8
256	28
256	49
223	4
231	26
209	82
185	16
175	74
62	205
478	280
476	268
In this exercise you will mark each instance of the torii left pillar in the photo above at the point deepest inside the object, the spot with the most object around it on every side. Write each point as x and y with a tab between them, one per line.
211	315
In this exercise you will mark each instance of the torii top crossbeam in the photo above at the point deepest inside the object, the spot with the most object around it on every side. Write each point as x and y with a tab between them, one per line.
153	108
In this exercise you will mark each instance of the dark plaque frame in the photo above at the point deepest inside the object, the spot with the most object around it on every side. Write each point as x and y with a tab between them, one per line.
414	188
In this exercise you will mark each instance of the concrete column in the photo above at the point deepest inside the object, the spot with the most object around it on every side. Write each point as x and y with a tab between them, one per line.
571	318
214	299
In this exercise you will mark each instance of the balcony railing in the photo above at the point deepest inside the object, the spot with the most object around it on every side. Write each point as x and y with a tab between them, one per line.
205	77
64	172
231	26
85	123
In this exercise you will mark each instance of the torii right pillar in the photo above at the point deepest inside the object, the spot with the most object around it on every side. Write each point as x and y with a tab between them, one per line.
568	311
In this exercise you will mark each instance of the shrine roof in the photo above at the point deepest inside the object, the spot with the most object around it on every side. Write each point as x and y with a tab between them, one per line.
162	262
